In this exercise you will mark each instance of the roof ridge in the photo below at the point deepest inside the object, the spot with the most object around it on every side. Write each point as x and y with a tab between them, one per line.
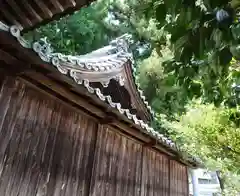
140	91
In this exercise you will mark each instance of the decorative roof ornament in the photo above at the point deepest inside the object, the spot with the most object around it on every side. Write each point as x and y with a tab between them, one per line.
101	65
43	49
123	43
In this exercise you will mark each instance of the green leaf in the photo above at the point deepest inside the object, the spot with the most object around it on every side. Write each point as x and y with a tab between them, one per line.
196	88
161	12
225	56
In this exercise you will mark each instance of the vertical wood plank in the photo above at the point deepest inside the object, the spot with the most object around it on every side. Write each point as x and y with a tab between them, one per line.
155	174
179	179
117	165
11	106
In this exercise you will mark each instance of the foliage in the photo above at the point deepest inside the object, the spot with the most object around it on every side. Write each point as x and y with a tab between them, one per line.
212	131
161	90
202	48
211	134
203	42
93	27
232	184
79	33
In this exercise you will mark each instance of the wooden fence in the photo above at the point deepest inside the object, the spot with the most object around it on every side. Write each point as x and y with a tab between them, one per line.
48	148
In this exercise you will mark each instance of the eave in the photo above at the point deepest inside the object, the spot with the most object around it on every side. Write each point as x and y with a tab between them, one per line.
30	14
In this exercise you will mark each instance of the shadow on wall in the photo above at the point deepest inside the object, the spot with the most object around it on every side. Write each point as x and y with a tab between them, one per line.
44	146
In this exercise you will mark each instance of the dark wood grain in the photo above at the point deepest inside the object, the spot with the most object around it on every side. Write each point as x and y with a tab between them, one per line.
45	148
117	166
155	174
178	179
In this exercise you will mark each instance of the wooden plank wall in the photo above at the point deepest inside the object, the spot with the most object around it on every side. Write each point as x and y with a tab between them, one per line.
178	179
49	149
117	167
155	178
44	145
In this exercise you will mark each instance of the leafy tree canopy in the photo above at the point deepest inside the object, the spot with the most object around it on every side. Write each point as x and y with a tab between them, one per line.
79	33
203	39
210	134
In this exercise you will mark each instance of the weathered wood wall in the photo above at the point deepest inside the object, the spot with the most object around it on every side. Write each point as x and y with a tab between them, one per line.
48	148
155	178
117	167
178	179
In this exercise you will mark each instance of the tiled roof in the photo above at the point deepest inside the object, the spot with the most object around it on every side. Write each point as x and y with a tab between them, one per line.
100	66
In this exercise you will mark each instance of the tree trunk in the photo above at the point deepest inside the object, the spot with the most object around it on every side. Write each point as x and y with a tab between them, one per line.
221	180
